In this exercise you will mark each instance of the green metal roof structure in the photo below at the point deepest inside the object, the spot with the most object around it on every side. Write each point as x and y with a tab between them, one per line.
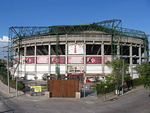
111	27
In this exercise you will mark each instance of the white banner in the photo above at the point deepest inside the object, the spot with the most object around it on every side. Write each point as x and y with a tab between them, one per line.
75	49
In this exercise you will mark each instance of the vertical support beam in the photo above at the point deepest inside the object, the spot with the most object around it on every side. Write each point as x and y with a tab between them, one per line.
25	51
103	55
84	60
140	58
66	58
118	51
49	57
131	62
35	69
112	55
57	39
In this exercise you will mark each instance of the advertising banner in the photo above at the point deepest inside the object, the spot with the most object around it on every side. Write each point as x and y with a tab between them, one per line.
60	60
107	58
75	49
29	60
42	60
75	69
75	60
21	60
93	60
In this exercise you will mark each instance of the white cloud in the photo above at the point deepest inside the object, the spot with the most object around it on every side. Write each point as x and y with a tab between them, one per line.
4	39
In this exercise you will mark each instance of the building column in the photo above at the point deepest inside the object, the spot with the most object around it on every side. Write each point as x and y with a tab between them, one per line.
140	57
18	61
25	51
84	61
49	57
102	58
35	69
66	58
118	51
131	62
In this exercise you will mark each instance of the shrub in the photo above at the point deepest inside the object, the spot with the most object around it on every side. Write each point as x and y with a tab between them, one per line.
102	90
138	81
21	85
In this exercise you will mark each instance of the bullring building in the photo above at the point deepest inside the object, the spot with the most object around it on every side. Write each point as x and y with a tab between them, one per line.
80	50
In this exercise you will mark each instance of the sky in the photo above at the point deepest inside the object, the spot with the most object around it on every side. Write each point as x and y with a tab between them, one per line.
135	14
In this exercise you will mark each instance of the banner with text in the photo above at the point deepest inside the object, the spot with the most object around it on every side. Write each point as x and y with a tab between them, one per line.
29	60
75	49
60	60
93	60
42	60
75	60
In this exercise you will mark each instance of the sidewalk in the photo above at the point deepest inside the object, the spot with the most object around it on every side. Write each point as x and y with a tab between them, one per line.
93	98
20	95
88	96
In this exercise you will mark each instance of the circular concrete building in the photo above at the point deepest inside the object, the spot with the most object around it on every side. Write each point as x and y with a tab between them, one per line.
80	50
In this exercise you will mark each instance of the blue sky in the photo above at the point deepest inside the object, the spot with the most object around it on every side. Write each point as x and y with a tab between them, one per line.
135	14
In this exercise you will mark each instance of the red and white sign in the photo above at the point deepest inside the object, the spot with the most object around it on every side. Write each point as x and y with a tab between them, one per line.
75	49
42	60
75	60
93	60
107	58
60	60
29	60
21	60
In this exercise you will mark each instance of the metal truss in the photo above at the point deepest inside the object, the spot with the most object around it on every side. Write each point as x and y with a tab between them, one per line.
111	27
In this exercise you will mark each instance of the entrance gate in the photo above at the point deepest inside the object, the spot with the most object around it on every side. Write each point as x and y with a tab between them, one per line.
63	87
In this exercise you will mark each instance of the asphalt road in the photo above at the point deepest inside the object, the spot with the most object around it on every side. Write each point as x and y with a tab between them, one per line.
138	102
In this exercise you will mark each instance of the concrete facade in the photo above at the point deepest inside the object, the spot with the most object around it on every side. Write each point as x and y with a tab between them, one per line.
134	46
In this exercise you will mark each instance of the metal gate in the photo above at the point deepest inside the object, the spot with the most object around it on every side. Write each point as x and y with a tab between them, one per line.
64	87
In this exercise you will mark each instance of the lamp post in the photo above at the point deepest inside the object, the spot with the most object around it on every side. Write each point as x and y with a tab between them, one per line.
123	77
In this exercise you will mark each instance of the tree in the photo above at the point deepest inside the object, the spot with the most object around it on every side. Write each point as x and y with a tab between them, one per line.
144	72
117	68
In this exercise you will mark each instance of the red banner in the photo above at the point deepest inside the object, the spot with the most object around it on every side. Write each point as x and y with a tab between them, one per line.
42	60
59	60
75	60
29	60
93	60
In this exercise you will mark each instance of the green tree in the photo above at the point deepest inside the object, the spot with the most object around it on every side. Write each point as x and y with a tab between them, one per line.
144	72
117	69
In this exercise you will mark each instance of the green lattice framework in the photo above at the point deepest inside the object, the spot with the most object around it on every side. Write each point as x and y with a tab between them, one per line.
111	27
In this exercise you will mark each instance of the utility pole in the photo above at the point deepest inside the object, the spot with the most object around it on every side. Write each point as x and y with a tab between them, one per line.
122	77
8	68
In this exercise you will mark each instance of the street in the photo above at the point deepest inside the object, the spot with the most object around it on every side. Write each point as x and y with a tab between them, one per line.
137	102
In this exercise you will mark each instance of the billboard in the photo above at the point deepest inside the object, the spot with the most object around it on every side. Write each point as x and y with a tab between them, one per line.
21	60
75	60
107	58
75	69
93	60
75	49
60	60
42	60
29	60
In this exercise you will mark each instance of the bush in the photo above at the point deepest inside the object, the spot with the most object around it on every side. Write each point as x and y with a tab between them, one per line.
21	85
12	83
138	81
102	90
